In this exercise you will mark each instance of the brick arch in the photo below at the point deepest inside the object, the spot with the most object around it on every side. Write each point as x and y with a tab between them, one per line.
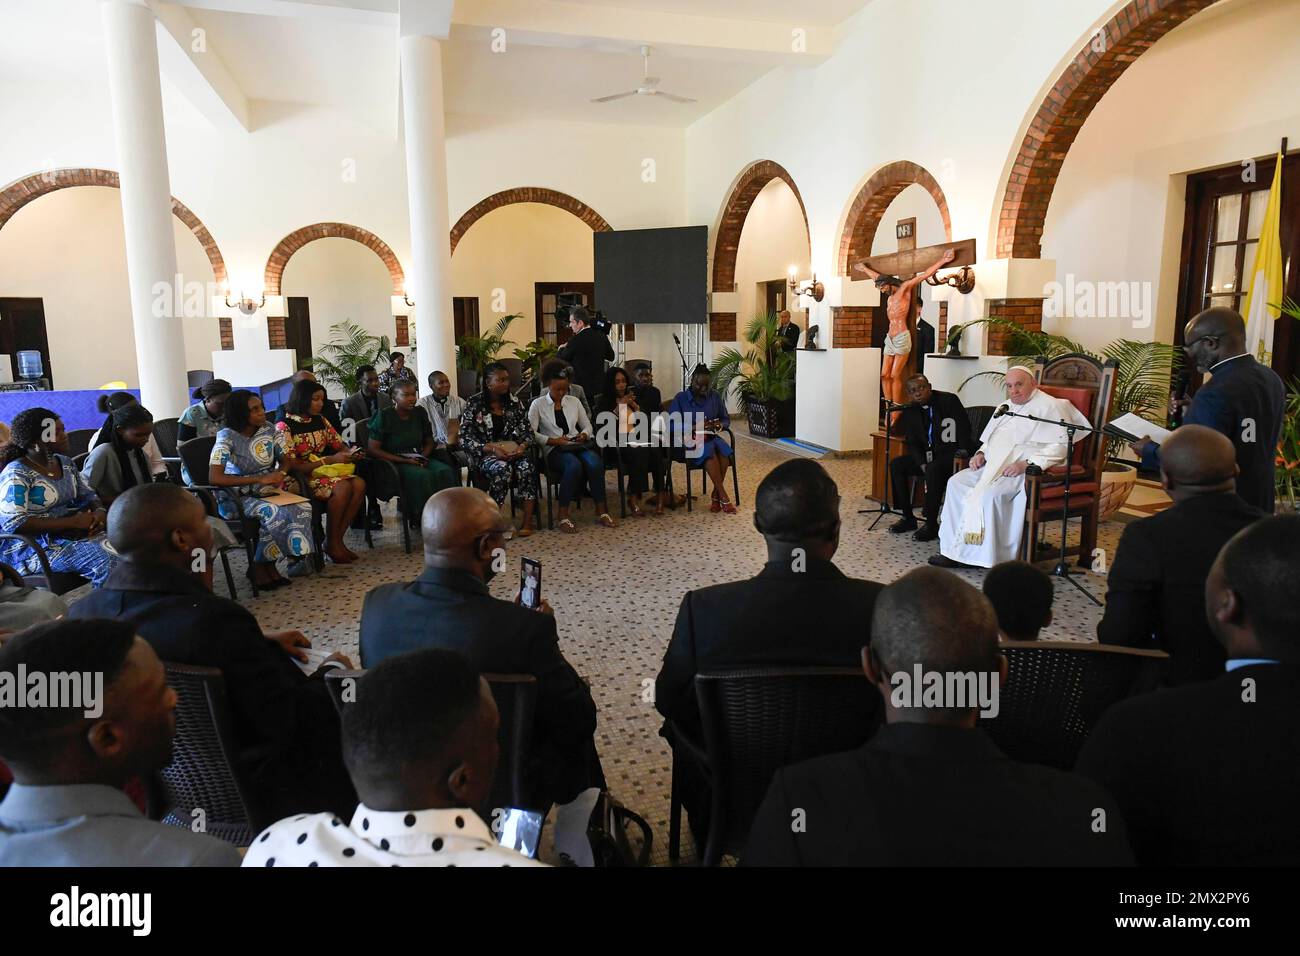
731	221
1105	55
23	191
291	243
873	198
538	194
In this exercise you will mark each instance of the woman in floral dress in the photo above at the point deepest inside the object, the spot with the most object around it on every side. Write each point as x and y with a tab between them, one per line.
495	433
315	450
248	457
43	496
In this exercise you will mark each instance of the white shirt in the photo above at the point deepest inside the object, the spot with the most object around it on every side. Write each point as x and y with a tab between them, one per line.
541	415
455	837
438	417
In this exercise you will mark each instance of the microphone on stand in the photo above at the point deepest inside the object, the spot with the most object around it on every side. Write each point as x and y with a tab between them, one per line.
677	340
1002	410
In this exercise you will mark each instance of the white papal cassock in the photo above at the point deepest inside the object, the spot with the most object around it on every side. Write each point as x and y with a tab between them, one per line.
984	511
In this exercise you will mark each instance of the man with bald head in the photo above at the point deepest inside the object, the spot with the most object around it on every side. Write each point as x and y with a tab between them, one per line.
1243	400
1156	578
449	606
930	789
285	724
984	505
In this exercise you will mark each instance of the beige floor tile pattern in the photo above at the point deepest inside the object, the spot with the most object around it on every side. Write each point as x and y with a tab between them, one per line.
616	594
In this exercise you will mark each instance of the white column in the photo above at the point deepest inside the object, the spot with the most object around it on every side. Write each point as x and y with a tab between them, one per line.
429	275
136	94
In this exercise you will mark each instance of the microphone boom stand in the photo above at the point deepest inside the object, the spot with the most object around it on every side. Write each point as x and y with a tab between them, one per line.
1062	569
682	356
885	509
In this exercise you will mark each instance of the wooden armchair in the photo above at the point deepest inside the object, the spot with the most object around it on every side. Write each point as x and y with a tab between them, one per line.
1089	386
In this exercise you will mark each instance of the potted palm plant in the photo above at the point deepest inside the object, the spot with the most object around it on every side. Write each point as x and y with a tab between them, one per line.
532	357
763	376
475	352
349	348
1142	379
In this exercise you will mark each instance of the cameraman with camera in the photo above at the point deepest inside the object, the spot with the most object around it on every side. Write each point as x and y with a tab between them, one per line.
587	352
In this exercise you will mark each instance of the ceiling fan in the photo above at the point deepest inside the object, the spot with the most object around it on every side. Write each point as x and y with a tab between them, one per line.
649	85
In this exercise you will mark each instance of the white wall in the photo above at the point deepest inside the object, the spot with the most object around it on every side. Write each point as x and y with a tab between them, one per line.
913	202
68	249
512	248
773	239
1218	90
342	280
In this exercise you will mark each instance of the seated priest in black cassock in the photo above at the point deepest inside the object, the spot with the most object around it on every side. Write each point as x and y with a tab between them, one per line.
935	425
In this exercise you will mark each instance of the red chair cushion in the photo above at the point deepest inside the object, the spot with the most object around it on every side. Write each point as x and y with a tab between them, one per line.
1080	398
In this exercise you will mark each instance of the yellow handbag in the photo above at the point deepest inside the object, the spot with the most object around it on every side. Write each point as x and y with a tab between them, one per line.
344	469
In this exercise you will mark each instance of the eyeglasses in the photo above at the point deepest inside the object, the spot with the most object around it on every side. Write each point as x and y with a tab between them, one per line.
505	534
1204	338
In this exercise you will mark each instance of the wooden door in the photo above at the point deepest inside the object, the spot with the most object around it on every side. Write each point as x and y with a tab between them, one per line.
546	301
297	328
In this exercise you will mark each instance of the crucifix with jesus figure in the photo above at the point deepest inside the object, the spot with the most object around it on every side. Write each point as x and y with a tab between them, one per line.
902	301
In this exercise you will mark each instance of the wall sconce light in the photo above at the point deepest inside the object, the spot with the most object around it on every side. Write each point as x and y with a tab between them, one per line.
963	280
809	287
245	304
401	303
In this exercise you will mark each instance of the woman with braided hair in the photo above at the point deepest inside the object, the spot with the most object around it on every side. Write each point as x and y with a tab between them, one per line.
43	496
117	460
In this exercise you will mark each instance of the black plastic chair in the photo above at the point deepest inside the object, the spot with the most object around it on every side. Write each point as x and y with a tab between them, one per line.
79	440
1055	692
516	700
204	774
47	579
195	453
383	483
198	377
164	433
756	722
678	455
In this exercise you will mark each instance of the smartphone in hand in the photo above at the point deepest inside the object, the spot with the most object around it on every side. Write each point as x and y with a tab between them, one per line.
530	583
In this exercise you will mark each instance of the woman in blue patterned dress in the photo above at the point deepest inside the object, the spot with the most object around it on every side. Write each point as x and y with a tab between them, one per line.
248	455
705	412
43	496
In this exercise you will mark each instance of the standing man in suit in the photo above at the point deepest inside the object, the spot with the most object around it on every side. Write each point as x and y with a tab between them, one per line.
448	606
787	333
763	622
930	789
1209	774
587	352
1157	579
935	425
1243	399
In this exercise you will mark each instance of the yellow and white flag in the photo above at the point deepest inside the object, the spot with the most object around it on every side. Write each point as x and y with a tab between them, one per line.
1264	293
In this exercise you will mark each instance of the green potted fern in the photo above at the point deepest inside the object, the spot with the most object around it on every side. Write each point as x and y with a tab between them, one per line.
763	377
475	352
349	348
1142	379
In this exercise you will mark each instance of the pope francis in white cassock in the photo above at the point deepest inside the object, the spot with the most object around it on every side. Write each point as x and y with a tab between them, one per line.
984	505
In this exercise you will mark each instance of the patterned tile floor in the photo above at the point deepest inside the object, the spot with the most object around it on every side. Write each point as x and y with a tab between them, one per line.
616	593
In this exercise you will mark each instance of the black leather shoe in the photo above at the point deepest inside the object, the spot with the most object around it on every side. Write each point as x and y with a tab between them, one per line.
928	532
902	527
376	522
943	561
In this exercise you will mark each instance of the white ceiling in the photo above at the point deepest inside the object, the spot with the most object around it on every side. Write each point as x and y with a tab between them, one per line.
342	54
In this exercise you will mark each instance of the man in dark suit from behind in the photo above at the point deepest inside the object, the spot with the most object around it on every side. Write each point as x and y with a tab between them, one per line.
934	425
800	611
930	789
285	725
448	606
357	409
1157	578
1243	400
587	352
1209	774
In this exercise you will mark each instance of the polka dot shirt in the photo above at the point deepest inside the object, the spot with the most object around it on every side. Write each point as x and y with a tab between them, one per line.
454	837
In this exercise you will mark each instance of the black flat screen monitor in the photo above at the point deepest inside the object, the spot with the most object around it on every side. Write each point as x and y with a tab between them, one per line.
653	276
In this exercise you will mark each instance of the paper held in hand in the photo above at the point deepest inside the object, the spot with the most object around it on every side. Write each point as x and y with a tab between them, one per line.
1132	428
